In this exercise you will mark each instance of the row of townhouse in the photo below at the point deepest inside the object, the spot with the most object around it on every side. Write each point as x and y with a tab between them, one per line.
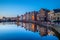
54	15
29	16
42	15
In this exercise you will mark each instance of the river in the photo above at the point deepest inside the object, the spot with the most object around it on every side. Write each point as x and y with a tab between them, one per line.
21	31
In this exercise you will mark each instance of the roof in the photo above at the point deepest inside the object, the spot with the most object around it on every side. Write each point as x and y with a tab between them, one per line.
45	9
56	10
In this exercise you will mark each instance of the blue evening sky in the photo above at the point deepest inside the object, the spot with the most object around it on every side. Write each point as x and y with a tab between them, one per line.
19	7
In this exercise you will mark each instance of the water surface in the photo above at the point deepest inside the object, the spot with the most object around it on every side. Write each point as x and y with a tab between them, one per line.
21	31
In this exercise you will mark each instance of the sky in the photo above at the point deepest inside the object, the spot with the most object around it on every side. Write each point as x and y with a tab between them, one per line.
12	8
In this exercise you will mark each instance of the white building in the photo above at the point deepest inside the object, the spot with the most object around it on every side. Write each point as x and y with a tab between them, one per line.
51	15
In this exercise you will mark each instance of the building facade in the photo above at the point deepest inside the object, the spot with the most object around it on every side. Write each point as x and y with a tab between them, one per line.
57	15
51	16
43	14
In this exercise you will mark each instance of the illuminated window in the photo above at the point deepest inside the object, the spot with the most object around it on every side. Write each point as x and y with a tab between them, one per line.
32	17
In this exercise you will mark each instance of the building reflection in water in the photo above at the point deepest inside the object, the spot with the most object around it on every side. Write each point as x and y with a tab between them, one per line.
33	27
29	26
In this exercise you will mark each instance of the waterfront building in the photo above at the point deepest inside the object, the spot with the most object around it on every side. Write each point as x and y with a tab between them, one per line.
21	17
57	15
4	18
34	15
18	18
24	17
37	16
9	18
51	16
28	16
43	14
